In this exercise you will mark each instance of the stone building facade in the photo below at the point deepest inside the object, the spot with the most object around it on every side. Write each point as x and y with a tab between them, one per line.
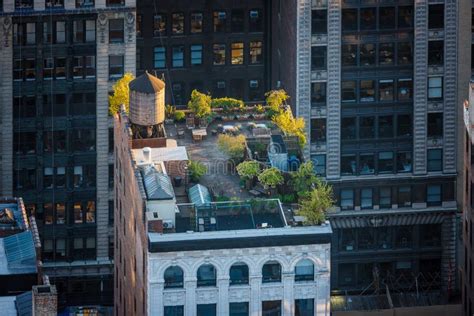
58	61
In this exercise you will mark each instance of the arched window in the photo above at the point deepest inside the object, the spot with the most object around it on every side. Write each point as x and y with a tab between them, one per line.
239	274
271	272
173	277
304	270
206	275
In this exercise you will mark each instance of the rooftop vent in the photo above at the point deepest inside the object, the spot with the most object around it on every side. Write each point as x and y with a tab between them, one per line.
147	154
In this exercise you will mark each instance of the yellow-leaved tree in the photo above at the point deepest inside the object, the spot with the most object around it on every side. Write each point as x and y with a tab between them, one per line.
121	94
291	125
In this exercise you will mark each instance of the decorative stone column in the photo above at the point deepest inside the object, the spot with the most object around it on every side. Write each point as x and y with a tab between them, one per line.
288	293
190	285
155	298
255	305
223	303
322	294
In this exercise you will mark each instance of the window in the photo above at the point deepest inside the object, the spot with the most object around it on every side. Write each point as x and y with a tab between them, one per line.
178	56
405	90
387	18
196	22
349	93
435	125
206	275
48	68
318	130
319	22
367	91
178	93
30	33
304	307
206	310
385	198
48	176
318	57
78	213
435	53
368	18
82	104
78	67
404	162
24	143
304	271
271	272
366	164
18	70
433	194
24	179
255	20
159	25
84	3
60	213
348	128
435	159
431	235
347	237
177	23
386	54
237	21
159	55
115	2
239	274
237	54
219	21
174	310
239	309
116	31
367	127
349	19
385	126
386	90
367	54
404	196
347	199
436	16
60	68
24	107
405	53
349	55
318	93
116	67
256	56
60	32
78	31
173	277
348	165
219	54
319	164
385	162
271	308
404	125
60	248
90	210
83	139
404	237
366	198
435	88
405	16
47	33
196	55
23	4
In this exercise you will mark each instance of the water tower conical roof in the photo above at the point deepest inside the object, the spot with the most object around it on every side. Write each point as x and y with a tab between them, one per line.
146	83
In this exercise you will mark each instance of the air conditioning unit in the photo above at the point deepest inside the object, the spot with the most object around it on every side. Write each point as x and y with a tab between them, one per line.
254	14
168	224
221	15
253	83
220	84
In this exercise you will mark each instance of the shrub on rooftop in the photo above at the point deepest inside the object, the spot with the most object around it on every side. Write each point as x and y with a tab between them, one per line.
232	146
200	104
270	177
316	203
179	116
120	94
196	170
227	104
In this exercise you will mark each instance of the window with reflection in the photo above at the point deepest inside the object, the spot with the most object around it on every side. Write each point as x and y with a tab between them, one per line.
367	91
271	308
386	54
404	196
318	57
255	20
367	54
159	24
386	90
348	238
385	162
349	55
116	30
178	56
368	18
348	165
347	199
405	53
271	272
385	197
435	159
239	274
177	23
206	275
318	130
196	22
435	88
219	21
196	55
349	92
256	56
366	164
405	17
174	277
318	93
405	90
404	161
304	271
219	54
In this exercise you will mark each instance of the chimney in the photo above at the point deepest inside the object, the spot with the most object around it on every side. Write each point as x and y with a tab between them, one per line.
45	300
147	154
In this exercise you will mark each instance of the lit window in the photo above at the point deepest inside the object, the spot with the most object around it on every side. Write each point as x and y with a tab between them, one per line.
219	54
177	23
196	22
237	54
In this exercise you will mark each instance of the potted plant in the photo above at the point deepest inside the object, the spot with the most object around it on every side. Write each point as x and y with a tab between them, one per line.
247	171
270	178
179	116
